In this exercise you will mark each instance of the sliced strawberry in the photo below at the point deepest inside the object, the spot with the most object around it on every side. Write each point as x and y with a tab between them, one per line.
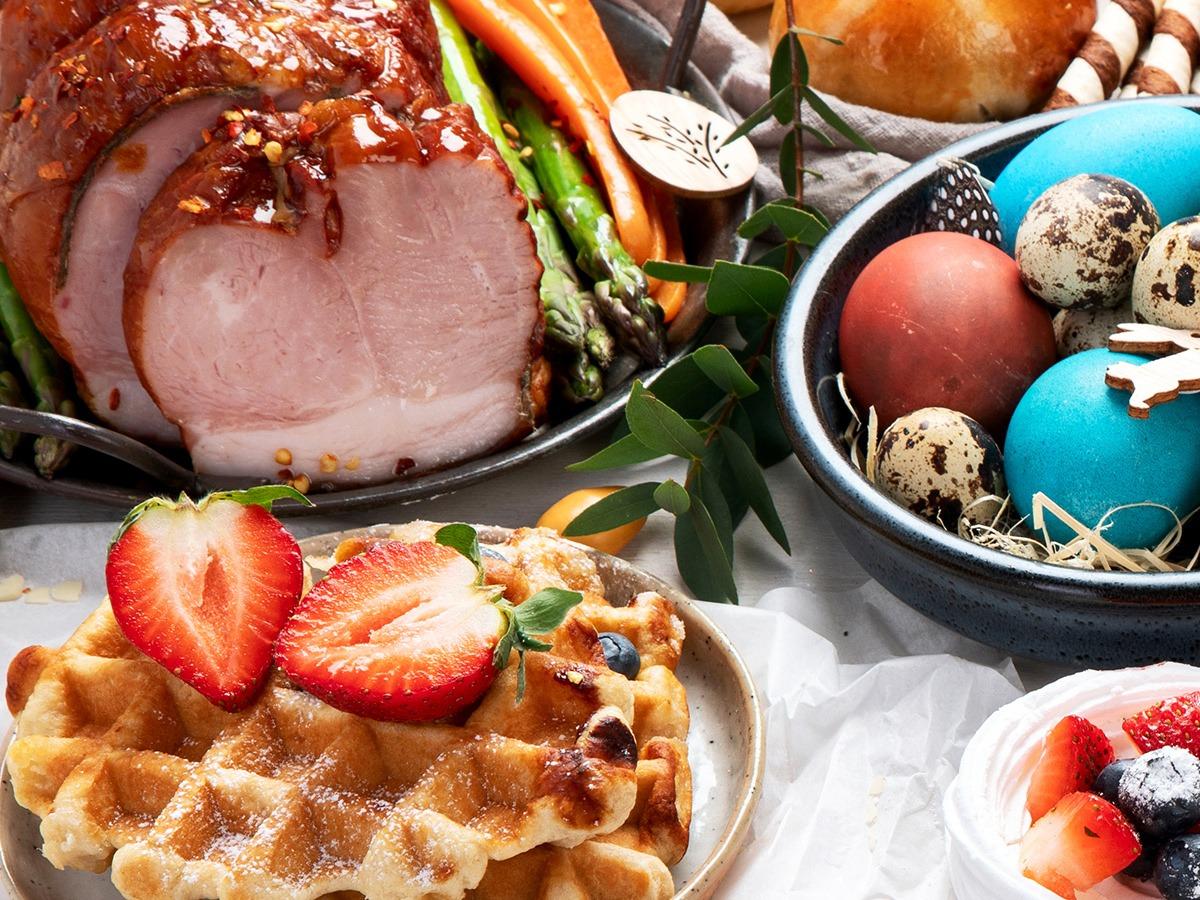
204	589
403	632
1075	752
1076	845
1172	723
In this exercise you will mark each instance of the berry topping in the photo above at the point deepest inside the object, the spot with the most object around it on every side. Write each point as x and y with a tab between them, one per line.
1108	781
621	655
1177	875
1160	792
1076	845
1172	723
204	588
411	632
1075	752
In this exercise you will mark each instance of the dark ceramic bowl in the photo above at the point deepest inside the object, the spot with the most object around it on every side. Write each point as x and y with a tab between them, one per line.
1031	609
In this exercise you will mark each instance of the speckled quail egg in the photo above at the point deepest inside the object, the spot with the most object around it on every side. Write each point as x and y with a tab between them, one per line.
1076	330
1165	286
1079	244
937	462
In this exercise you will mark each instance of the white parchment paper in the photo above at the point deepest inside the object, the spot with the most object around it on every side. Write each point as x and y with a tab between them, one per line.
869	708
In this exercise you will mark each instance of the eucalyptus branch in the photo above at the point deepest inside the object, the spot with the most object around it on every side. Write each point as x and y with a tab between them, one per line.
715	409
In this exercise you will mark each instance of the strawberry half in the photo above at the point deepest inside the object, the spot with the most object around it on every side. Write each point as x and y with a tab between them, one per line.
1075	752
203	589
1172	723
402	632
1080	842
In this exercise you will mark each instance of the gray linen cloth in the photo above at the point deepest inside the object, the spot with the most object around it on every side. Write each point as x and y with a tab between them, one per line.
738	68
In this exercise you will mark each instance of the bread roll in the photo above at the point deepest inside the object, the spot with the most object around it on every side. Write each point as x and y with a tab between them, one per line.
946	60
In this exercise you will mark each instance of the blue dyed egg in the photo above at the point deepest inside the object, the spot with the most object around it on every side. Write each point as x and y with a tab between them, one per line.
1073	439
1151	145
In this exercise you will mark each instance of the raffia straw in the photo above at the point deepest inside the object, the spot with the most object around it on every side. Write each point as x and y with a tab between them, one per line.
1043	504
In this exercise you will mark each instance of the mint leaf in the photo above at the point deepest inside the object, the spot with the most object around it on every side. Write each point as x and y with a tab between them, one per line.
462	538
545	611
264	495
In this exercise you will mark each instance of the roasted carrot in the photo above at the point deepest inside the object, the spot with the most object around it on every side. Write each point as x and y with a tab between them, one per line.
670	295
538	63
579	19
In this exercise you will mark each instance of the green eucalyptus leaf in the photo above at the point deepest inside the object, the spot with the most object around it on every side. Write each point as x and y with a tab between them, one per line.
701	558
738	289
716	468
672	497
723	370
753	329
617	509
804	32
625	451
683	387
760	115
462	538
708	487
794	224
671	271
777	258
819	136
834	121
753	485
771	443
740	422
545	611
660	428
781	63
787	162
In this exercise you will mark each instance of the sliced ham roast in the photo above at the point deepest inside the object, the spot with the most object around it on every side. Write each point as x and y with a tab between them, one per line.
349	293
114	112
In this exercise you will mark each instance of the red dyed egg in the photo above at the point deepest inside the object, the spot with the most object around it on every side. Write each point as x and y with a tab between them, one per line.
943	320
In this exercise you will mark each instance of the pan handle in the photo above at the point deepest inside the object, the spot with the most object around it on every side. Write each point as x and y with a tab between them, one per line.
102	440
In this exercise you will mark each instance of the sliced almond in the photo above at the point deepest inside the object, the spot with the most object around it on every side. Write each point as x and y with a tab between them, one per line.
11	587
67	591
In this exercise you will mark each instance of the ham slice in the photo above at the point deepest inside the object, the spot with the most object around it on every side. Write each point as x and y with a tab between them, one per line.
116	111
351	296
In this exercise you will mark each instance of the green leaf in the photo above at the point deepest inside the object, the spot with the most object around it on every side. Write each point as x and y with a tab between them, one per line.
754	485
708	488
660	428
670	271
820	136
684	388
617	509
804	32
738	289
753	329
462	538
715	468
772	445
673	498
787	162
777	258
760	115
625	451
781	64
701	558
264	495
545	611
794	224
834	121
724	371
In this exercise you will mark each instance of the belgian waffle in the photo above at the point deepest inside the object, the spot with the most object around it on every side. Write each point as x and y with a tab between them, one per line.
582	790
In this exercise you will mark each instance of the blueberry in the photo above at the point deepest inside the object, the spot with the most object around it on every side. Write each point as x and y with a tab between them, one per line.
1109	778
621	655
1160	792
490	552
1142	868
1177	875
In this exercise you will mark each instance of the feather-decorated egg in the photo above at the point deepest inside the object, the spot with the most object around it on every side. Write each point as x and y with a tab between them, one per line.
1151	145
1080	241
1072	438
937	462
1165	285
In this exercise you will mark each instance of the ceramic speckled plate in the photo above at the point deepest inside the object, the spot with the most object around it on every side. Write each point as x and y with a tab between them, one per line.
726	747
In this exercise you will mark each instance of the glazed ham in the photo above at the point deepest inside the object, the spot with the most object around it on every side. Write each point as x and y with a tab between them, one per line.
118	109
380	309
354	254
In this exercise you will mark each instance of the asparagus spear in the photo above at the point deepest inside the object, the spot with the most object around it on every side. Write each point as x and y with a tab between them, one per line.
621	286
572	321
44	373
10	395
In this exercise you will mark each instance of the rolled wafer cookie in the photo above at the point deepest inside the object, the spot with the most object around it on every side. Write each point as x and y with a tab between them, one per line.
1129	89
1174	50
1100	66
